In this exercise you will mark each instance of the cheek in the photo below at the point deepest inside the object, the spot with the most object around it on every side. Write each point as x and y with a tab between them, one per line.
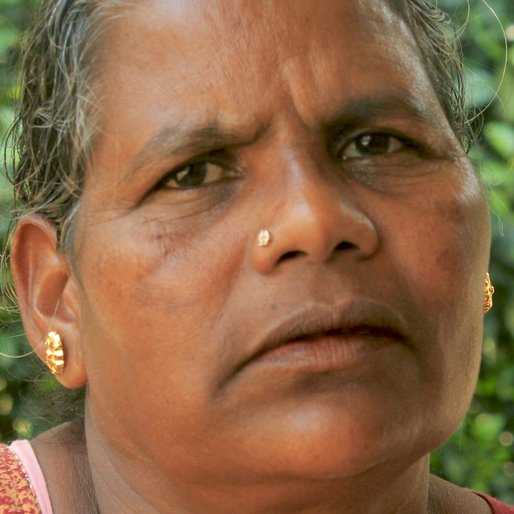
442	253
152	306
463	223
444	233
154	298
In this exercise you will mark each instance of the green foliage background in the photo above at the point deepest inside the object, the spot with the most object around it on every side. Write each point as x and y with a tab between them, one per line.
481	453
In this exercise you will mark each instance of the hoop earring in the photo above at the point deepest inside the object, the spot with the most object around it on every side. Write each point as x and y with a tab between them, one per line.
54	353
488	294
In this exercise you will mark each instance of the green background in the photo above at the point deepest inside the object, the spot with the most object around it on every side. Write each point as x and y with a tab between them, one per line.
481	453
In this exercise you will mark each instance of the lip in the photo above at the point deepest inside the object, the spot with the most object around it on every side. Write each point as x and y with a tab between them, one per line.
322	337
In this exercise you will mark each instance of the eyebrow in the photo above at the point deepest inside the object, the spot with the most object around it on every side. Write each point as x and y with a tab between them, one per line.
183	139
366	109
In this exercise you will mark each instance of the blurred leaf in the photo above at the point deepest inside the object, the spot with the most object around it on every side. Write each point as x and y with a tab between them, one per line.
500	136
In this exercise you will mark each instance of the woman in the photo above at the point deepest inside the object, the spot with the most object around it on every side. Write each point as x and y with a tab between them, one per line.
261	217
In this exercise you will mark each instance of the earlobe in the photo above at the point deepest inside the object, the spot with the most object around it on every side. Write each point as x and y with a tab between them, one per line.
47	294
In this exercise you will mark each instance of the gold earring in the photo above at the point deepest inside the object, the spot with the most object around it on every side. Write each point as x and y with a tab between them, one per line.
488	294
264	238
54	352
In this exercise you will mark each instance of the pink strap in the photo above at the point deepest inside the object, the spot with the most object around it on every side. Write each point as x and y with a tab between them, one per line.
23	450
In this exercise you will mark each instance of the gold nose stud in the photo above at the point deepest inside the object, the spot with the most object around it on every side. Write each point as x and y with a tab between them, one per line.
264	238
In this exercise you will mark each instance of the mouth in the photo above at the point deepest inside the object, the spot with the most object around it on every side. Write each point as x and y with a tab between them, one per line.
321	338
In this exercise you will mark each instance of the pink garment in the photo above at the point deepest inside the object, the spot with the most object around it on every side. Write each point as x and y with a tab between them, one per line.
23	450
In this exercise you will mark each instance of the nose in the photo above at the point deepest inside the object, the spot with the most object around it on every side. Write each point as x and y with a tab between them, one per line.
314	220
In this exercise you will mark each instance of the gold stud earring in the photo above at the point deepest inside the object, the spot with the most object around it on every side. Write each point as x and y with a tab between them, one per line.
488	294
54	352
264	238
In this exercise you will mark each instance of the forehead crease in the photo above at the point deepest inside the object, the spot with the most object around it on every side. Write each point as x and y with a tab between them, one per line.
388	64
268	30
297	49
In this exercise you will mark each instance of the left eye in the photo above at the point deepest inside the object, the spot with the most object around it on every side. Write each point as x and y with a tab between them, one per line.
195	175
371	145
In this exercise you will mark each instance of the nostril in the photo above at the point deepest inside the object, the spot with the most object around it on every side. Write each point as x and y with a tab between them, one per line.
291	255
344	245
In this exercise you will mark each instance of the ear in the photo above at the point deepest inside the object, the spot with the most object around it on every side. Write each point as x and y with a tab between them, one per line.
48	295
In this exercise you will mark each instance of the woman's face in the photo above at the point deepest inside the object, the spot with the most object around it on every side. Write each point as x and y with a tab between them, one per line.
316	121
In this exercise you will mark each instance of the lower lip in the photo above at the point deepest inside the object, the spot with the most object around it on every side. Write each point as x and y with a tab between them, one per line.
328	353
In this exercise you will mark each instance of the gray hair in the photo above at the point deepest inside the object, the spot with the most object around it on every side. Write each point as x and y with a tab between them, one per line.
56	121
431	27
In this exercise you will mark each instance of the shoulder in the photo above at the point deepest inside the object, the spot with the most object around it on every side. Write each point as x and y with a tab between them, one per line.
447	498
16	493
497	506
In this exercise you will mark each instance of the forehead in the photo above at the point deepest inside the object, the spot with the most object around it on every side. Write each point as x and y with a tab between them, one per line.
235	61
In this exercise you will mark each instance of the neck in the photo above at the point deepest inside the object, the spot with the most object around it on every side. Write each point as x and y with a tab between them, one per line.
63	458
129	483
69	473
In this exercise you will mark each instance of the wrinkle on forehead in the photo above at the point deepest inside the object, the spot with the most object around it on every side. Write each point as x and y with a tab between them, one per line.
275	36
237	24
260	30
233	61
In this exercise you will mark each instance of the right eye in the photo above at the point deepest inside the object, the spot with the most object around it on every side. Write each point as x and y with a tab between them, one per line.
371	145
195	175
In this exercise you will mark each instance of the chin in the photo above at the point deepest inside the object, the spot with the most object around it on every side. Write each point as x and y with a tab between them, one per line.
321	444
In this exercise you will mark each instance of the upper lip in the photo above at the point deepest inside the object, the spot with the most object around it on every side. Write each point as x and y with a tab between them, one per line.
318	320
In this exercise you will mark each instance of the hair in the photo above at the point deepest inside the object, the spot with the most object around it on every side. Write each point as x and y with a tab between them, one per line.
56	122
441	51
57	119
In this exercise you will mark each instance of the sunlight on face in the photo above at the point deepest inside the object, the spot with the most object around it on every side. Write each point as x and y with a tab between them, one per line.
352	341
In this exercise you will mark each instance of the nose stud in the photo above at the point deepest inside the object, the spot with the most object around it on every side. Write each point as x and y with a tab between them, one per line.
264	238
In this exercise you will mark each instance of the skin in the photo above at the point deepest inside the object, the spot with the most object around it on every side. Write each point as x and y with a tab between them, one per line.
169	294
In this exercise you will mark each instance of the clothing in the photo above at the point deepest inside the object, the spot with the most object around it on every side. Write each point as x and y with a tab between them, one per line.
497	506
23	488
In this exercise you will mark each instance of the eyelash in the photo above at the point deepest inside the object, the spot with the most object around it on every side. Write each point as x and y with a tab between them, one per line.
387	138
223	172
209	170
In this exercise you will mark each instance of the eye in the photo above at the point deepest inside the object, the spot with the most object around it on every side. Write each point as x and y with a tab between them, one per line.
196	175
371	145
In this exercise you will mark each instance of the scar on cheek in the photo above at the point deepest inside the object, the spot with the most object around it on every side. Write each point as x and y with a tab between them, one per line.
166	245
162	240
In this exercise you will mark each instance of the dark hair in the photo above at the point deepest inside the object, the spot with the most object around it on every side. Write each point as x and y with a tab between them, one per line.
57	118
